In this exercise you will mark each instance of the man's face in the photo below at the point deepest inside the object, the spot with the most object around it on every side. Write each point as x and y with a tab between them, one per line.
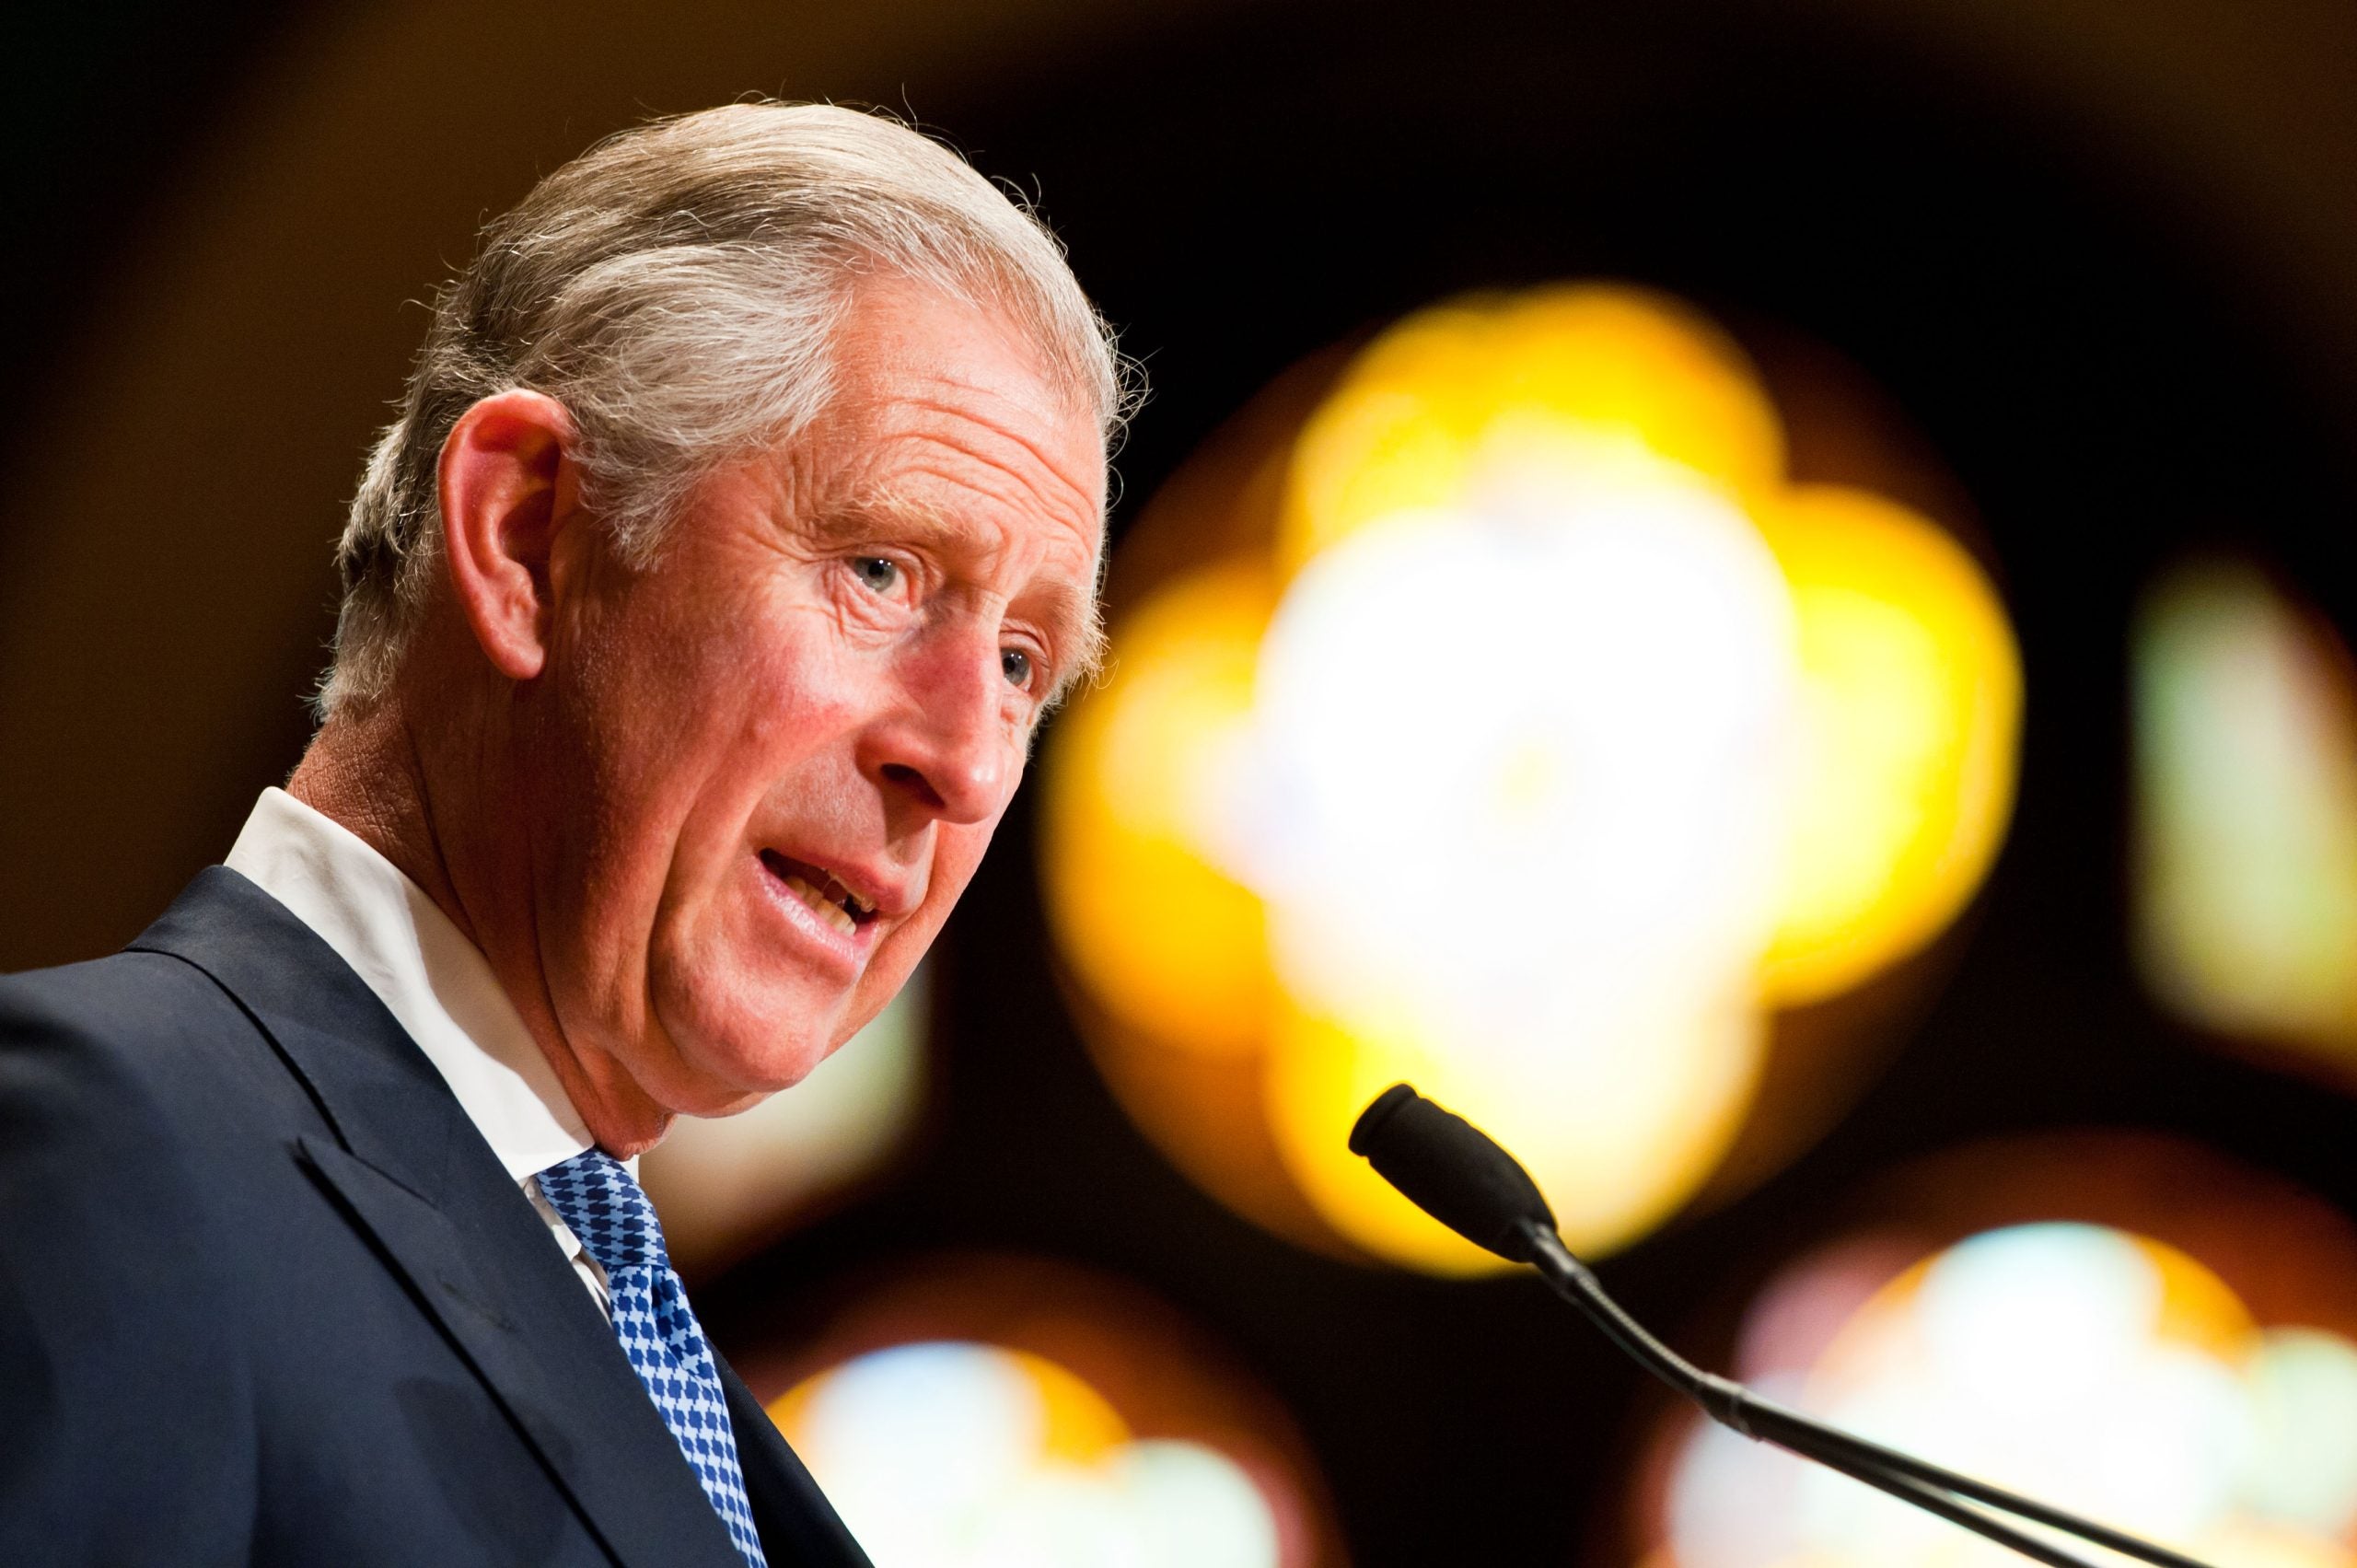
767	765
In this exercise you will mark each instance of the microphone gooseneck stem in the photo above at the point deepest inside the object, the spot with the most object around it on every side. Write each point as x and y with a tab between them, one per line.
1953	1496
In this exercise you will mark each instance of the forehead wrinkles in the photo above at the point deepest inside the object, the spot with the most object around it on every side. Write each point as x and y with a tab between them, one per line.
936	483
909	358
983	426
977	440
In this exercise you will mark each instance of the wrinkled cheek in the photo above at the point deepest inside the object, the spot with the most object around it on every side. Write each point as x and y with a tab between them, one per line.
695	996
595	994
736	1012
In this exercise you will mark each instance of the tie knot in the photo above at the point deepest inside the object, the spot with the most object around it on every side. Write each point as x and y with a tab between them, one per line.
608	1211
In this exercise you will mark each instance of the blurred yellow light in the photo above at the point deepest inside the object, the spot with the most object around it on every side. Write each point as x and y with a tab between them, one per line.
1317	1075
1617	1130
1913	713
1551	742
1165	942
2246	848
1438	400
1208	1113
2196	1307
1076	1424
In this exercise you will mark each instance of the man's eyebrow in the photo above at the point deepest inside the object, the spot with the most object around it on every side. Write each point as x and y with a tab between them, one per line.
1075	622
869	518
1070	616
879	516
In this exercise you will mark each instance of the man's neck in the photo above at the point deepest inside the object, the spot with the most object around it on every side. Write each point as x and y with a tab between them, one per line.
367	773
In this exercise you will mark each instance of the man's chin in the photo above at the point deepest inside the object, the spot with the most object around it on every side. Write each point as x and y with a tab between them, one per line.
710	1111
727	1071
735	1039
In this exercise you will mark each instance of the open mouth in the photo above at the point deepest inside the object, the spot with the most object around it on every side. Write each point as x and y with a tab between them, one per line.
833	903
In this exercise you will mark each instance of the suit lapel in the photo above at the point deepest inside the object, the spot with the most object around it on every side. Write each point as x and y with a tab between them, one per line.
413	1173
797	1524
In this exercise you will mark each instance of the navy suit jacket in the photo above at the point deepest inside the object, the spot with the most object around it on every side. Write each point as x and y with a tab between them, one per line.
266	1296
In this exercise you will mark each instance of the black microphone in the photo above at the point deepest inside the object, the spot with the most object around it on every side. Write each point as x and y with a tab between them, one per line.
1452	1171
1457	1174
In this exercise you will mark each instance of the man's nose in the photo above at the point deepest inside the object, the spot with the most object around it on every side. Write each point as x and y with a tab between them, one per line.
945	750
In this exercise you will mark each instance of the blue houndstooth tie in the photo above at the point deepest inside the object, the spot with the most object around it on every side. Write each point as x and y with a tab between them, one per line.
608	1210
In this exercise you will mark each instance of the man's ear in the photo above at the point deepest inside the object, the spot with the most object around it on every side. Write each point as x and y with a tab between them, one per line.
508	486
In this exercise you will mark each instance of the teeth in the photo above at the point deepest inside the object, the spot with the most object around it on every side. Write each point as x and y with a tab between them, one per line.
828	910
839	894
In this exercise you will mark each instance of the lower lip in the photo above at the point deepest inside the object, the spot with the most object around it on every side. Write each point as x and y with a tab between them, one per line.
845	950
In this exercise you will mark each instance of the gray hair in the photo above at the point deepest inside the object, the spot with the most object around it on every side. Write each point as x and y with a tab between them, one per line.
678	288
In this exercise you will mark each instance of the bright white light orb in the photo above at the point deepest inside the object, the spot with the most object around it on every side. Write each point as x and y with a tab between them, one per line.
2072	1362
1597	672
956	1455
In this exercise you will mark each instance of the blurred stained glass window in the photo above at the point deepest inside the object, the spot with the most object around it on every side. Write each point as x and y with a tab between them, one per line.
1001	1412
2182	1366
1500	715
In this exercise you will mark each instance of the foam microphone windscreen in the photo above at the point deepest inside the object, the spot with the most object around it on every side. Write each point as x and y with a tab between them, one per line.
1452	1171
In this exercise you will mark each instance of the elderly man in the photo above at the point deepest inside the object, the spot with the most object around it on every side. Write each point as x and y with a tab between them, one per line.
743	518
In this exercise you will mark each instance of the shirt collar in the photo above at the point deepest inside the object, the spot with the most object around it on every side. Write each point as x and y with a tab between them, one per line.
434	982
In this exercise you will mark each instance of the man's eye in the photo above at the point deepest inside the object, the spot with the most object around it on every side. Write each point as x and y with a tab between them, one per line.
1015	664
879	574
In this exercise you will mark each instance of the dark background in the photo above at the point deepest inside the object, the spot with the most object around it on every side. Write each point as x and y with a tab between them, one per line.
2104	254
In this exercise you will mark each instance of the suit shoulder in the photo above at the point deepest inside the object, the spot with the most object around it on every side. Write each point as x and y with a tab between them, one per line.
129	1400
124	994
128	1128
103	1062
141	1035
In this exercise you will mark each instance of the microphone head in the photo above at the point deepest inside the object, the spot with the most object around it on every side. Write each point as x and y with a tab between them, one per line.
1452	1171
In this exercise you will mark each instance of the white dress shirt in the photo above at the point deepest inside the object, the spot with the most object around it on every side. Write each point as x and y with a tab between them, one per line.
434	982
